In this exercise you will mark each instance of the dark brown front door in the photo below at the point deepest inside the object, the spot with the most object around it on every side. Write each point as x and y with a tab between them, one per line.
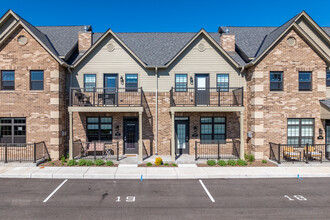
131	135
202	94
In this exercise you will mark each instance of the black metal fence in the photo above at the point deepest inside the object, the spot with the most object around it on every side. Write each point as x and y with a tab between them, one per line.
282	153
207	97
105	97
28	152
96	150
217	150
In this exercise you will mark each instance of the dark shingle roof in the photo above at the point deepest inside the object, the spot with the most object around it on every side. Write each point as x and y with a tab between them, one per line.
326	103
63	38
327	30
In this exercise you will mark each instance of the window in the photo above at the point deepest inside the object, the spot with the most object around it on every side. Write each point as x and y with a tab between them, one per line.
131	82
89	82
99	128
181	82
276	81
305	81
223	82
213	128
12	130
300	131
37	80
7	80
328	78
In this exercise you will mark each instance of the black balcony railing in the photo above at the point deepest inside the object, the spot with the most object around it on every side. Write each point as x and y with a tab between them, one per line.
98	97
221	97
95	150
282	153
217	149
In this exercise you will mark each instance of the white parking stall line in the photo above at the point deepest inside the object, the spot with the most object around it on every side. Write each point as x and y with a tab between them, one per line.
55	191
207	192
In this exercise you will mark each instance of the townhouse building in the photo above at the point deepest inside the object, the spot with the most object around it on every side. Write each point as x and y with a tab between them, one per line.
165	93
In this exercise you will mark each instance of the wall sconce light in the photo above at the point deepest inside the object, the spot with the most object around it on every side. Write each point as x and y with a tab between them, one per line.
191	80
195	132
122	80
117	131
320	134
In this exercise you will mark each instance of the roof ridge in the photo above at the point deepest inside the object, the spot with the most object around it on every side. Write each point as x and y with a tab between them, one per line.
250	26
75	25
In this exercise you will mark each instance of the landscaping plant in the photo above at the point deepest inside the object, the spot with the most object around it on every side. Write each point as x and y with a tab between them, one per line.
222	163
109	163
158	161
241	162
82	162
72	163
99	162
231	162
174	164
211	162
264	161
89	162
166	164
149	164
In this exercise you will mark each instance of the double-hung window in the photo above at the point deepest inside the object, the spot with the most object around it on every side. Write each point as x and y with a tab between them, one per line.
131	82
300	131
328	79
12	130
89	82
7	80
276	81
99	128
181	81
37	80
213	129
305	81
223	82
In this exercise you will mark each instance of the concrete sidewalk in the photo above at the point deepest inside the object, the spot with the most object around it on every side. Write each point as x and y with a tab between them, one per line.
181	172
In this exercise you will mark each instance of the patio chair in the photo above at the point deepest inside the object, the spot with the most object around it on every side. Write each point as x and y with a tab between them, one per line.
290	154
313	153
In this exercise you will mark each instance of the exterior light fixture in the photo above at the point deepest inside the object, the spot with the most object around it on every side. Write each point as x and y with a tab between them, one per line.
122	80
191	80
320	134
195	132
117	131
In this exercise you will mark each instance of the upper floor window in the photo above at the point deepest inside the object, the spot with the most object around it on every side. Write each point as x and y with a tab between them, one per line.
181	82
37	80
223	82
305	81
131	82
328	78
7	80
89	82
276	81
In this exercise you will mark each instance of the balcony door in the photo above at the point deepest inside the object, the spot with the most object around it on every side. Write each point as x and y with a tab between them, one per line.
110	89
202	89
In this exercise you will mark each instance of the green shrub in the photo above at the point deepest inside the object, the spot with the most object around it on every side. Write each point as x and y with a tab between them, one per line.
231	162
241	162
109	163
249	157
264	161
158	161
222	163
174	164
149	164
72	163
82	162
89	162
99	162
63	159
53	163
211	162
165	164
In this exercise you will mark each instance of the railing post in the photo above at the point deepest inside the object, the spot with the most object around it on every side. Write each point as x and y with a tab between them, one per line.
242	96
6	156
94	96
307	153
117	151
94	150
70	96
171	97
141	96
34	152
195	150
116	97
218	96
218	150
279	154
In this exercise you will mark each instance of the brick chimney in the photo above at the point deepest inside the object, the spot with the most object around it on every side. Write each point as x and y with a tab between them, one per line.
227	42
84	40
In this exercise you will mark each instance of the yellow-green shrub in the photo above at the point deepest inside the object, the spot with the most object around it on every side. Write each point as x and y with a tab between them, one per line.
158	161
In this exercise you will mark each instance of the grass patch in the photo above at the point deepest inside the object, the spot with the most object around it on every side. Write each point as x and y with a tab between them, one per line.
211	162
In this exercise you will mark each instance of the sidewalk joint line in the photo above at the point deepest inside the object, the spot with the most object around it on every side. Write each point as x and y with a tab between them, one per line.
207	192
55	191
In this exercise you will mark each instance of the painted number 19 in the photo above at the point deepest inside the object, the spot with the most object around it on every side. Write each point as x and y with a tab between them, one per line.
296	197
128	199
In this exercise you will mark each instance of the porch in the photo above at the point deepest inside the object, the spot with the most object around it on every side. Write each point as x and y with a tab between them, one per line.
306	153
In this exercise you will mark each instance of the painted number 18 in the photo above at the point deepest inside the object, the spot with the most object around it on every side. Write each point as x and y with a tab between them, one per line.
296	197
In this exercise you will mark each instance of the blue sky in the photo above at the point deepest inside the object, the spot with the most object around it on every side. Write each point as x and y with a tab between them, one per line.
166	16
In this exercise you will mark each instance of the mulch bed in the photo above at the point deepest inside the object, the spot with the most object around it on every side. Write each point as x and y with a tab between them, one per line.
256	163
154	165
58	163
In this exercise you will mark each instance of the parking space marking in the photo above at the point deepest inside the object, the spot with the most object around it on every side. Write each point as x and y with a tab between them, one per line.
55	191
207	192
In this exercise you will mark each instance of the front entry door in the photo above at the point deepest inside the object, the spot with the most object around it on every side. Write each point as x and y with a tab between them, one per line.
182	136
202	94
110	89
131	135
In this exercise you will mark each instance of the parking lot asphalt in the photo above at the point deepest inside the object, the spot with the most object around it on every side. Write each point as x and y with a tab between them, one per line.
307	198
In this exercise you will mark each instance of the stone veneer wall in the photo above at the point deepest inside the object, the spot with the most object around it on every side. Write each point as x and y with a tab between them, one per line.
268	111
42	109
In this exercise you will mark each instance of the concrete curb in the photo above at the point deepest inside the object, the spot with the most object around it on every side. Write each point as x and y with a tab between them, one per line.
184	172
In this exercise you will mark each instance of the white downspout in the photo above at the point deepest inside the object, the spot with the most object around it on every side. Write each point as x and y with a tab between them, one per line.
156	142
